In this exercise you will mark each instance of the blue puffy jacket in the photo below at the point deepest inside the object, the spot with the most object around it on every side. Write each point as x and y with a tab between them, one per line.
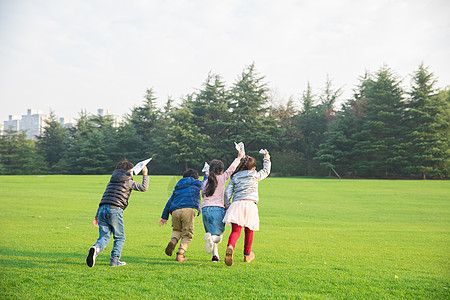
186	194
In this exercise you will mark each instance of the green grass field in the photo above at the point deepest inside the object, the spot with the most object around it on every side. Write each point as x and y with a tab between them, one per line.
318	239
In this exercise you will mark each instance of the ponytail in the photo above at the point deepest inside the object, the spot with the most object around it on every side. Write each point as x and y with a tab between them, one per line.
215	168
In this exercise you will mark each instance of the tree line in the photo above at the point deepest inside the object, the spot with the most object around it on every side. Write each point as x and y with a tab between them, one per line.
383	131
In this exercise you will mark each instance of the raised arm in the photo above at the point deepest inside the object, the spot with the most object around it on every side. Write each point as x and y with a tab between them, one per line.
266	168
232	167
144	186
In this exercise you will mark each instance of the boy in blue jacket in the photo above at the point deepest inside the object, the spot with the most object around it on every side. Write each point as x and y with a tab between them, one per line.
182	204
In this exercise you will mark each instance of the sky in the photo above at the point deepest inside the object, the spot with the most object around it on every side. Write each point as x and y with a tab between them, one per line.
67	56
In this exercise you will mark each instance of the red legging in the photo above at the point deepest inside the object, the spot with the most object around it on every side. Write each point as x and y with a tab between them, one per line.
236	233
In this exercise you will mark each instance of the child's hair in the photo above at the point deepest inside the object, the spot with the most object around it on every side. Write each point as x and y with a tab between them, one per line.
125	165
247	163
191	173
215	168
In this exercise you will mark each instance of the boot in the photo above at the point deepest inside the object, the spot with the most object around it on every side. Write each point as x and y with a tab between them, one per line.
180	257
171	245
209	243
216	238
249	257
229	256
215	252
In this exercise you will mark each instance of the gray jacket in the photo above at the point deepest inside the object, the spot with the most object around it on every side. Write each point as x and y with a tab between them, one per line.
244	185
119	189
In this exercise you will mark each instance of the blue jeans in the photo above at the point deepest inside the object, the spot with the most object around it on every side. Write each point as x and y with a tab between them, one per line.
212	219
110	221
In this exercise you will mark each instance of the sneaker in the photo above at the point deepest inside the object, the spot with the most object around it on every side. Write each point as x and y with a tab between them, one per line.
209	242
170	246
93	253
249	257
114	262
215	258
229	256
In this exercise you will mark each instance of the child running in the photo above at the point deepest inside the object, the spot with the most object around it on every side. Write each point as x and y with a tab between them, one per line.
213	207
243	212
182	204
109	217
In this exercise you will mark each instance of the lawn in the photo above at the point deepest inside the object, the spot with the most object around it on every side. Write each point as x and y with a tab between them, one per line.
318	239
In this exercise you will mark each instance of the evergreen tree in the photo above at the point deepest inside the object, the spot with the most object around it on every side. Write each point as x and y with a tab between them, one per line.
285	159
377	133
145	120
88	148
330	95
144	117
308	99
336	152
184	142
381	141
311	123
161	163
249	103
18	156
429	120
128	144
51	143
211	108
93	156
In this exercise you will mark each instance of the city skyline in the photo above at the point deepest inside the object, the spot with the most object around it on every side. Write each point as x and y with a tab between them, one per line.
33	122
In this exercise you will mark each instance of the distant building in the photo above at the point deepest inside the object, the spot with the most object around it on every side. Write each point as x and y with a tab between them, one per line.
67	122
32	123
103	113
13	123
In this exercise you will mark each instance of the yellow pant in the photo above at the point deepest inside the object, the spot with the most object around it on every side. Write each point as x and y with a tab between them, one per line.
183	227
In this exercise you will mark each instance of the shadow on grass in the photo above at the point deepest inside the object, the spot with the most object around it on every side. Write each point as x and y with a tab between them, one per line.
35	259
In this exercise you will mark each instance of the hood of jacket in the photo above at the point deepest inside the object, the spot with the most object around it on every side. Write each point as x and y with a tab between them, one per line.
120	175
184	183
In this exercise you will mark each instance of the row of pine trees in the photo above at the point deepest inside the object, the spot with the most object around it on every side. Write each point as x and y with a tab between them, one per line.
385	130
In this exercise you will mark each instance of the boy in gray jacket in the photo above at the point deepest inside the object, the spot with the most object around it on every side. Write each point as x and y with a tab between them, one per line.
109	217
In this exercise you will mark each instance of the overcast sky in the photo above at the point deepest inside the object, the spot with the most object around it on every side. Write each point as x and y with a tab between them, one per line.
69	55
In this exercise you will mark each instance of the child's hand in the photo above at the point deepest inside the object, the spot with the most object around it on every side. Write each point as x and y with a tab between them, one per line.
144	170
241	154
162	222
267	155
95	222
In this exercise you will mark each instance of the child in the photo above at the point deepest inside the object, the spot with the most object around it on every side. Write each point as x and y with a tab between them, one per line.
109	217
213	207
182	204
243	212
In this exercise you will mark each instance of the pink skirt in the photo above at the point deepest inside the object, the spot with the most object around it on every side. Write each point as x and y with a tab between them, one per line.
244	213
